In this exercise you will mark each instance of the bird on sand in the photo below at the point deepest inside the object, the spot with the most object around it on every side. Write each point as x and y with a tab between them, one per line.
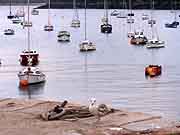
98	110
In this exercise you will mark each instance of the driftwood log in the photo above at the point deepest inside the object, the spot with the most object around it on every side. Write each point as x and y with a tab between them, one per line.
70	112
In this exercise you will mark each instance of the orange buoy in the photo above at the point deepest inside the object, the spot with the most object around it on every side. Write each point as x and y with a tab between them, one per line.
24	82
153	70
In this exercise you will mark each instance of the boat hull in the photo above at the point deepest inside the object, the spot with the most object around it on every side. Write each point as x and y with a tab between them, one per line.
106	28
31	79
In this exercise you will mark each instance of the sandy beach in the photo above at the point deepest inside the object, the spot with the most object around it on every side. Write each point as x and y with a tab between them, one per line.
19	117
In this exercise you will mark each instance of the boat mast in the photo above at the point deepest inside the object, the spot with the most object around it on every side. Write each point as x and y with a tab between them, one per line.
130	15
75	10
85	36
10	8
175	18
106	11
152	21
49	12
28	30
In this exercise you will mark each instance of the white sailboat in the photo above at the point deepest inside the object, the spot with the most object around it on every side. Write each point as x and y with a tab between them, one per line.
130	21
49	27
175	23
31	75
154	42
75	21
86	45
63	35
27	23
122	14
10	16
24	56
106	27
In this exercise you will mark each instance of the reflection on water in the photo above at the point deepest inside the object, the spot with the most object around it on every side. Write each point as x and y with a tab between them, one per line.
114	73
31	91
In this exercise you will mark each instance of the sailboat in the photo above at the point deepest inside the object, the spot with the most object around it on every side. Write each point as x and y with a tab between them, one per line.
130	20
122	14
63	35
25	23
10	16
75	21
106	27
154	42
48	27
175	23
86	45
24	56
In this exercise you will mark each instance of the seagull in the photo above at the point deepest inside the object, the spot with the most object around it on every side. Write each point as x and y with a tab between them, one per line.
98	110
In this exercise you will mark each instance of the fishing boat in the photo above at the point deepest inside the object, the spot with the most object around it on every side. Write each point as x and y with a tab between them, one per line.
175	23
10	16
9	32
31	75
24	56
139	38
106	27
86	45
122	13
63	36
34	12
114	13
75	21
49	27
153	70
154	42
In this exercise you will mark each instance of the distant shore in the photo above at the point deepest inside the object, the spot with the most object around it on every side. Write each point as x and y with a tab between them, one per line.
98	4
19	117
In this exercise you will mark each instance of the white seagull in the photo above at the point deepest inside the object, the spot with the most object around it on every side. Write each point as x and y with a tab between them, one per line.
98	110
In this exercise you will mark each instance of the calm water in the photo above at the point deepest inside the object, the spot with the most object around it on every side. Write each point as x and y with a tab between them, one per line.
114	74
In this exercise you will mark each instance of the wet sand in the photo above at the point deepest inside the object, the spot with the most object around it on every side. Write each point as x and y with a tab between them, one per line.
20	117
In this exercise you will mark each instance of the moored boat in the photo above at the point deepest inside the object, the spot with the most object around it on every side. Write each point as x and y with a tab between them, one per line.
86	45
63	36
138	39
9	32
31	75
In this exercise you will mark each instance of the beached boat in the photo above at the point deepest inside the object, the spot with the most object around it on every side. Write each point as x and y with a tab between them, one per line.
86	45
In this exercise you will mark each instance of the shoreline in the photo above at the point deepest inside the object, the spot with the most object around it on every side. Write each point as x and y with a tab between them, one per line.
22	116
